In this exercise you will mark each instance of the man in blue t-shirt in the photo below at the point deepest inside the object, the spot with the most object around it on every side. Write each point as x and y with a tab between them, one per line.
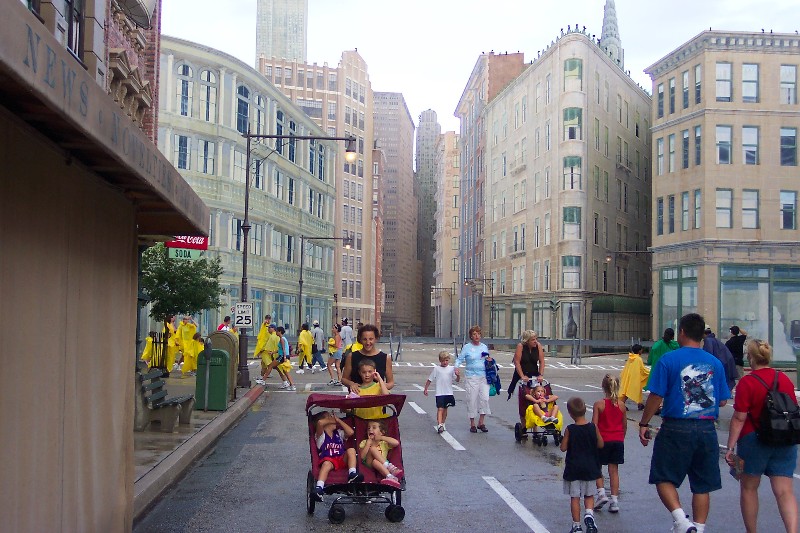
692	384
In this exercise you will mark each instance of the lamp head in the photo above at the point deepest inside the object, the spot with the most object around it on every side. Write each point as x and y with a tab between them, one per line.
350	154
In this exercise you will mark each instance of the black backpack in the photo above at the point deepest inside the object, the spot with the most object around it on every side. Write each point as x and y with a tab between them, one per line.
780	417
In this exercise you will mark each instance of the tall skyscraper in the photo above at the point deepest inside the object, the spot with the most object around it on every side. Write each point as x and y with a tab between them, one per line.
427	137
281	29
446	257
726	242
394	133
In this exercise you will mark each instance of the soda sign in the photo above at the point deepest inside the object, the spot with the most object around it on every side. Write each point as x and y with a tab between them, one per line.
188	241
184	253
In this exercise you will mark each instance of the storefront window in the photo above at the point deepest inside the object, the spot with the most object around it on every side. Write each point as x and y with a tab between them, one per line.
678	295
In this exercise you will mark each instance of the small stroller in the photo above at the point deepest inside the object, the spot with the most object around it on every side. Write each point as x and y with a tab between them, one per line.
534	425
371	491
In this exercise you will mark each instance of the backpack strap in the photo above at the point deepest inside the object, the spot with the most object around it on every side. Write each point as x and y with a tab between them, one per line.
774	388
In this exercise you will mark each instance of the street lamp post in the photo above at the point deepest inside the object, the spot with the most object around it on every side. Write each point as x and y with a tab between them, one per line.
471	283
350	156
449	290
346	241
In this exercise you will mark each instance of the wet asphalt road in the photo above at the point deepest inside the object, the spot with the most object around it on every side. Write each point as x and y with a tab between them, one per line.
254	479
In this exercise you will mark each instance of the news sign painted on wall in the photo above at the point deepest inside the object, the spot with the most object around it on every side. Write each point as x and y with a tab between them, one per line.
188	241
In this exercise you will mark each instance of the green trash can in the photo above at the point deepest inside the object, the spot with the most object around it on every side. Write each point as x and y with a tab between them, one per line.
212	380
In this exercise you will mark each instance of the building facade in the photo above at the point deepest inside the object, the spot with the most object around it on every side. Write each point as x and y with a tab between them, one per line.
394	134
378	170
428	132
444	294
339	100
725	182
489	75
83	187
282	29
209	100
567	196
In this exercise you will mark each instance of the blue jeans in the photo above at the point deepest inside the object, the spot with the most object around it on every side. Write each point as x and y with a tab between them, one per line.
686	447
316	357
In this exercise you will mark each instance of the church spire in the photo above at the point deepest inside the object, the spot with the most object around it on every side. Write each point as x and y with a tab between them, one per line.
609	40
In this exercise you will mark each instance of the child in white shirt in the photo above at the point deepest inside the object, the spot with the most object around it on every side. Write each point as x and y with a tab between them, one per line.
444	375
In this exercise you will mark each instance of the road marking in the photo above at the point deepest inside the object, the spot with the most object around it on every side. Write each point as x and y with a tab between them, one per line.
418	386
594	386
417	408
448	438
563	387
516	506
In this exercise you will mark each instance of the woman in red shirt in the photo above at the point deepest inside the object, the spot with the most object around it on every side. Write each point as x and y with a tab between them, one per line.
776	462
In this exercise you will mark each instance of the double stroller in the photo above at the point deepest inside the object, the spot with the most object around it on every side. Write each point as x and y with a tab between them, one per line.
370	491
535	426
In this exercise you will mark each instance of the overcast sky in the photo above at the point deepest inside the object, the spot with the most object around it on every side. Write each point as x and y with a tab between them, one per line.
426	49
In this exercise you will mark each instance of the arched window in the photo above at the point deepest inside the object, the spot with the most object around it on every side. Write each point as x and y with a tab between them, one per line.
261	115
208	96
184	90
243	109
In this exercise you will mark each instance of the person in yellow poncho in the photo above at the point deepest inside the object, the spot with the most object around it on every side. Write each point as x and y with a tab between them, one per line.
268	353
634	377
185	336
190	354
263	335
304	342
147	353
173	343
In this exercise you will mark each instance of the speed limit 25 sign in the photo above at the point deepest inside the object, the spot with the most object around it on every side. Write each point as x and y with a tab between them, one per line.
244	315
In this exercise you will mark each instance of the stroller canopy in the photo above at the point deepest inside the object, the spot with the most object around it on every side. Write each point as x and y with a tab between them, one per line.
337	401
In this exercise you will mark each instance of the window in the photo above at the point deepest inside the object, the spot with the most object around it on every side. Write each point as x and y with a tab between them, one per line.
750	145
573	75
750	209
684	211
660	216
724	145
547	229
239	165
208	96
788	84
671	152
749	83
547	135
671	213
242	109
698	145
572	173
547	182
788	209
685	149
698	208
571	272
596	228
597	134
660	100
546	275
182	149
572	123
671	95
660	156
571	228
685	92
547	89
724	208
205	156
698	83
724	82
184	90
73	13
788	147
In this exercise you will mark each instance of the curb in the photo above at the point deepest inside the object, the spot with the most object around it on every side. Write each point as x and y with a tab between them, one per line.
164	474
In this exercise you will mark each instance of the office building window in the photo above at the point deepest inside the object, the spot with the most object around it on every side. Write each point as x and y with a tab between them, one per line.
208	96
571	228
671	140
698	83
749	83
242	109
73	13
788	147
724	134
685	149
724	208
788	84
750	209
546	229
182	150
572	173
750	145
698	145
205	156
573	75
571	272
239	164
671	95
573	123
184	90
788	209
724	82
698	208
660	216
660	156
685	88
671	213
684	211
660	100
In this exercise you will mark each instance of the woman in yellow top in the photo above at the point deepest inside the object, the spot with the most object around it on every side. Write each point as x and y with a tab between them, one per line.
304	341
634	377
173	344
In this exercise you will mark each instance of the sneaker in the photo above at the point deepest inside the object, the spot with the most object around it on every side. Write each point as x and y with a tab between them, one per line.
589	521
314	370
300	371
318	492
683	526
285	385
260	381
600	501
391	481
355	477
176	367
444	428
337	383
292	388
613	507
440	428
331	383
394	471
576	529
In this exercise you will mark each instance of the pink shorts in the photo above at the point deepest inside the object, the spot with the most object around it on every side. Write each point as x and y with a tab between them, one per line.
337	461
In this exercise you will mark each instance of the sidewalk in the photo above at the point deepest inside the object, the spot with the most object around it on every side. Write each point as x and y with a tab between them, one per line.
161	458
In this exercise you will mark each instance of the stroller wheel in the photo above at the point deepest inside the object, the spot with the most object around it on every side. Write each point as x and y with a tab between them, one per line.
518	431
395	513
310	486
336	514
544	440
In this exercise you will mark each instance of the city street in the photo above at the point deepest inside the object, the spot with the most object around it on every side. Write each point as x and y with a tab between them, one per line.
254	479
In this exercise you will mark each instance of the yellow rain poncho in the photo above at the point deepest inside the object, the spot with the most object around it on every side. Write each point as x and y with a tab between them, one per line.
173	345
633	378
190	355
261	343
305	341
147	353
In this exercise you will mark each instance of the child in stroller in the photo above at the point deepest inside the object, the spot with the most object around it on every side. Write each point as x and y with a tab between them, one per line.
542	416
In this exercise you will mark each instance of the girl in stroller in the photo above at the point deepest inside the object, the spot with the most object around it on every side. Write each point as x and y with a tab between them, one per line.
544	406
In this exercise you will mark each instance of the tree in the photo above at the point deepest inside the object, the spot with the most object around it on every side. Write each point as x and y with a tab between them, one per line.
179	286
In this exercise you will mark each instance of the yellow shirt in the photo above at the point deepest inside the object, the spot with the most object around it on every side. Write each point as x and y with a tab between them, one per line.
263	335
370	413
305	340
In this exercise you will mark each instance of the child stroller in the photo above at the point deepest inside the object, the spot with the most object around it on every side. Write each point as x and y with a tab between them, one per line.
371	490
534	425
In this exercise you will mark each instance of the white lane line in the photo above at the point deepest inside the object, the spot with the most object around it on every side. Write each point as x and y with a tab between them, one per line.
417	408
418	386
448	438
516	506
594	386
563	387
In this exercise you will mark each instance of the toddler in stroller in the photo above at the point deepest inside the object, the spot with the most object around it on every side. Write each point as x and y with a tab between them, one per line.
542	416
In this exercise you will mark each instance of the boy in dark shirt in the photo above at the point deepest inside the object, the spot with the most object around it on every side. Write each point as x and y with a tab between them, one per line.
582	465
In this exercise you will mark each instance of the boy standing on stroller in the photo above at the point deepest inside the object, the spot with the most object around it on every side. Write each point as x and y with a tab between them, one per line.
544	406
444	375
330	434
582	465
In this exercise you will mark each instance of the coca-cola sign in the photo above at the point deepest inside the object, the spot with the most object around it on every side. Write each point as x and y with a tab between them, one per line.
188	241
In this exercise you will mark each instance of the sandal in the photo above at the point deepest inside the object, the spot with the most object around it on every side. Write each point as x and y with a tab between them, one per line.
483	428
473	429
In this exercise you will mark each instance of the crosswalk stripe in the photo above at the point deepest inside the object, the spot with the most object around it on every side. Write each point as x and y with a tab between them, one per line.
417	408
531	521
448	438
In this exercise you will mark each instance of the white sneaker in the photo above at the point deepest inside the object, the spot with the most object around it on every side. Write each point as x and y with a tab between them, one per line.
300	371
590	525
260	381
292	387
444	428
285	385
613	507
600	501
314	369
683	526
